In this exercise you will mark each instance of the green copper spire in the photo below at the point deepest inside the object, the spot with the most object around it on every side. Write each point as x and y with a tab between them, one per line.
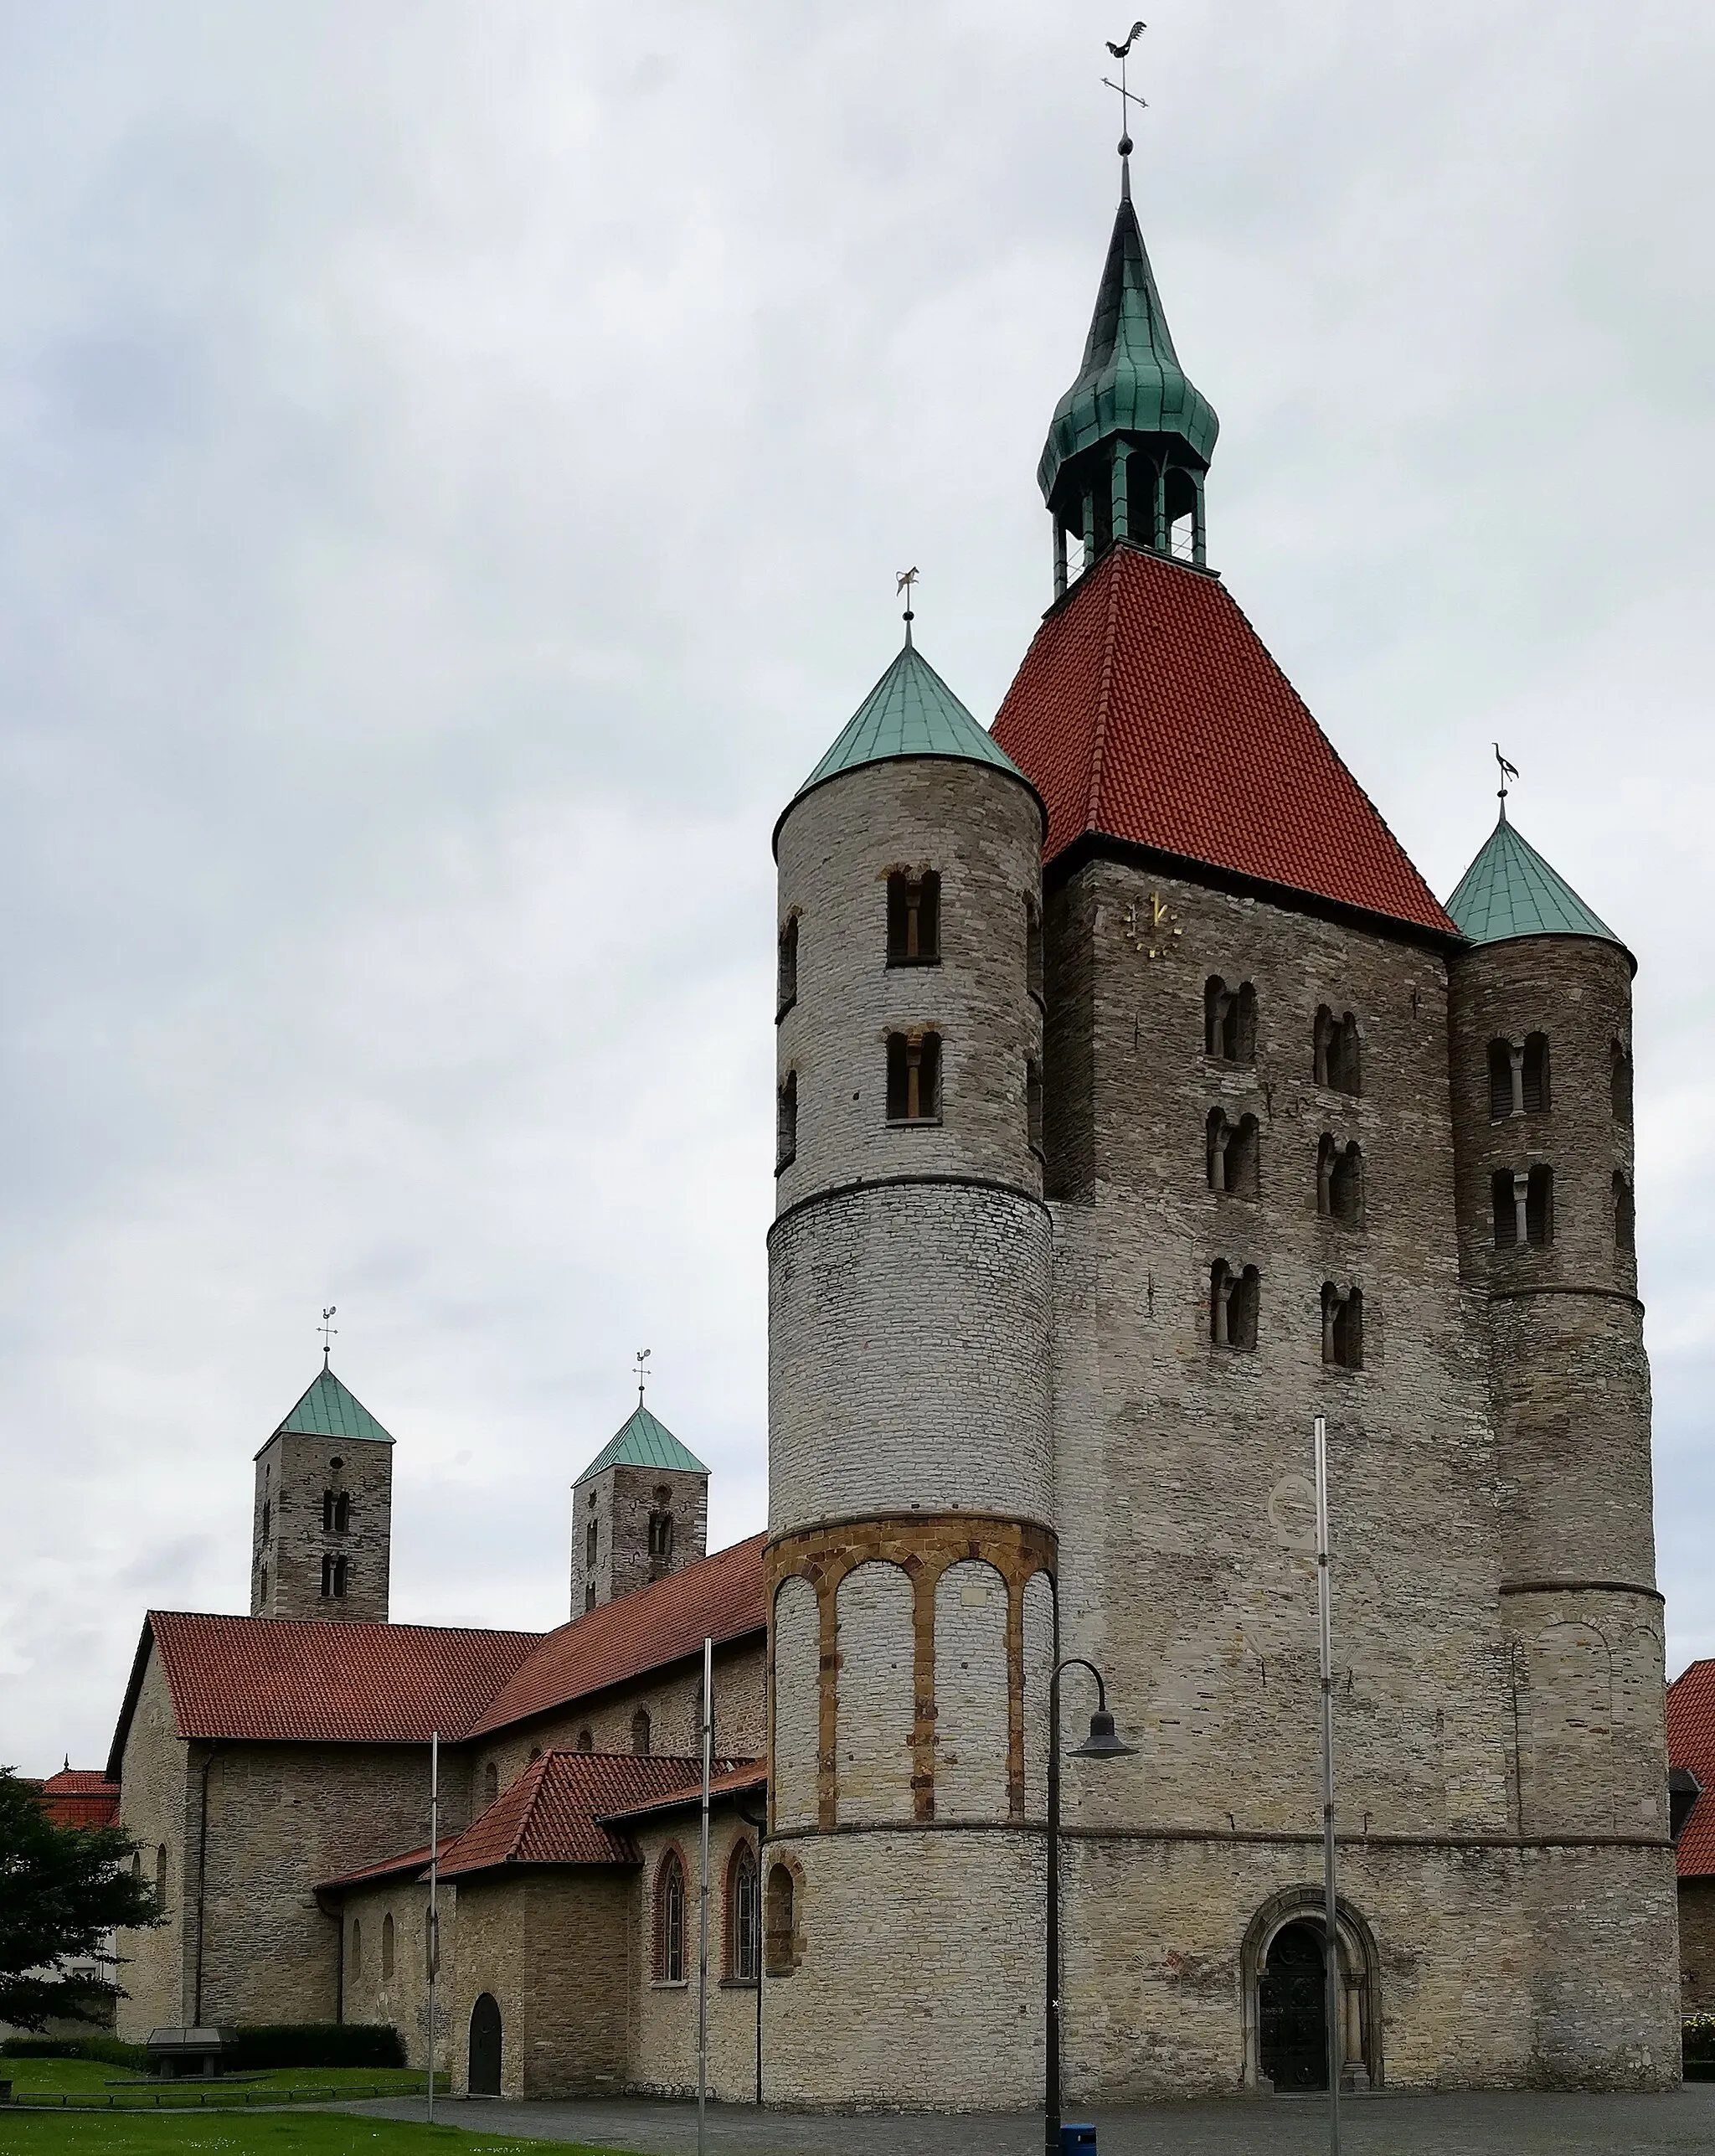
1510	890
910	712
1131	439
643	1441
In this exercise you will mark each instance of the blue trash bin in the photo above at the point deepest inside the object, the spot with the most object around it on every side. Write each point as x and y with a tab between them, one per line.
1074	2138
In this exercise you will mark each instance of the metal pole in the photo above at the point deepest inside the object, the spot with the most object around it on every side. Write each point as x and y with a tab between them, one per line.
1051	2106
432	1944
702	1897
1331	1895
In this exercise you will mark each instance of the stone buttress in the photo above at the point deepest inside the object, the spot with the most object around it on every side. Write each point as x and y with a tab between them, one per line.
911	1547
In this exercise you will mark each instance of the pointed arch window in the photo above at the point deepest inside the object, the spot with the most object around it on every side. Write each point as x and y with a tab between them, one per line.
743	1915
670	1919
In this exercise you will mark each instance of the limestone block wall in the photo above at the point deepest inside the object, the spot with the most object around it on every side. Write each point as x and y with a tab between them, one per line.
970	1692
795	1749
383	1974
1696	1944
1588	1677
980	830
875	1645
619	1504
289	1539
156	1807
662	2014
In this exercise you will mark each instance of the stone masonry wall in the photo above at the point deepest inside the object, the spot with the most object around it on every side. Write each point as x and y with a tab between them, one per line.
293	1473
1696	1944
663	2016
156	1807
619	1502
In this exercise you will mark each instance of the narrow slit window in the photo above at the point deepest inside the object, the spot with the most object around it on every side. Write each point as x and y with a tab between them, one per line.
592	1542
1620	1082
1033	949
786	989
670	1920
913	918
914	1078
1033	1104
640	1733
786	1122
1625	1227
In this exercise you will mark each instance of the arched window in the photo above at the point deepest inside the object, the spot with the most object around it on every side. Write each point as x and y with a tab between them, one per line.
1234	1166
490	1784
787	991
1337	1061
1229	1020
264	1596
333	1576
387	1944
1342	1327
1625	1233
1620	1081
914	1078
661	1526
1506	1095
586	1739
670	1919
588	1597
535	1753
1033	1104
592	1542
1539	1205
743	1915
785	1122
1234	1299
1339	1180
914	919
267	1518
640	1733
1533	1075
357	1946
160	1871
781	1939
1524	1206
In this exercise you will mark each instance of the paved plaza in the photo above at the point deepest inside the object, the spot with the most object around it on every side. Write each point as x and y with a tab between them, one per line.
1453	2125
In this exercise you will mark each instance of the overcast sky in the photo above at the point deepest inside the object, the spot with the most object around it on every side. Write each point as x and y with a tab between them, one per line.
453	461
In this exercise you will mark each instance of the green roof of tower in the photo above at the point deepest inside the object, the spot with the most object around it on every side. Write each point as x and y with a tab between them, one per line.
327	1410
643	1441
1510	890
910	712
1130	381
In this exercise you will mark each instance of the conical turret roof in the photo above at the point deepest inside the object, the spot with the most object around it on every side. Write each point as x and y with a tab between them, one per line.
910	712
1130	381
1510	890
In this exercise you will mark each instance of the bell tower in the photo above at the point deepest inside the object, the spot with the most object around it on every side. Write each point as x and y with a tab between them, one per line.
322	1535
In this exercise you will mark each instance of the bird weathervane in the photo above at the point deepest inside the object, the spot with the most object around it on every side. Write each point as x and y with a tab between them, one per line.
1128	98
903	580
327	1329
1507	771
642	1365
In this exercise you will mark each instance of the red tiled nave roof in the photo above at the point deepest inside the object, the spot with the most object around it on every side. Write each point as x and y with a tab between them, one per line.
1691	1742
81	1796
303	1681
720	1599
1148	710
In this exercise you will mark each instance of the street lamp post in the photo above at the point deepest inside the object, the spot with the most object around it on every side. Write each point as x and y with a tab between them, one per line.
1102	1743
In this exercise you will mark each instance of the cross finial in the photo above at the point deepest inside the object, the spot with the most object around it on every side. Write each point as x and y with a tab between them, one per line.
327	1329
1507	771
904	578
642	1365
1128	98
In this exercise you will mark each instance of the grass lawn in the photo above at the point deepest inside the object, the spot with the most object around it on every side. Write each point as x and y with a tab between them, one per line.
94	2081
262	2133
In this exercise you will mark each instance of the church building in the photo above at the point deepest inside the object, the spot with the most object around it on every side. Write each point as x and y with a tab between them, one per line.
1137	1102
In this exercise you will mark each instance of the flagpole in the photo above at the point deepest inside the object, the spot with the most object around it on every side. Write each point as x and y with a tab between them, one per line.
1331	1895
702	1897
432	1943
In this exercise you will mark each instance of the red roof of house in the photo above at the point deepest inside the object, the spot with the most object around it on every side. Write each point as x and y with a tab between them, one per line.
1148	710
264	1678
1691	1742
81	1796
558	1810
719	1598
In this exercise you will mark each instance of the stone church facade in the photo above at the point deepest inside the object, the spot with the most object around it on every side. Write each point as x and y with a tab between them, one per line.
1137	1103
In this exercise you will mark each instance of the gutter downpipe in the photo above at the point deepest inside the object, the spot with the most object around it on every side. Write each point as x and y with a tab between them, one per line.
203	1880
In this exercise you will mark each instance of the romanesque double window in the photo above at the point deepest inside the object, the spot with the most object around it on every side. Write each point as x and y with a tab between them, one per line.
1336	1060
336	1512
914	1078
1234	1295
913	918
1229	1020
1518	1077
670	1919
1342	1327
1524	1207
744	1952
1339	1180
660	1528
1233	1155
333	1577
785	1124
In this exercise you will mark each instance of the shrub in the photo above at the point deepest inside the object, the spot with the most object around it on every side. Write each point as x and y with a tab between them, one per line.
261	2045
106	2050
1697	2039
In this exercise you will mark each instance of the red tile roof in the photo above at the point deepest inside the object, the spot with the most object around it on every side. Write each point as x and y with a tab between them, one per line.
719	1598
749	1774
307	1682
558	1809
408	1860
81	1796
1148	710
1691	1742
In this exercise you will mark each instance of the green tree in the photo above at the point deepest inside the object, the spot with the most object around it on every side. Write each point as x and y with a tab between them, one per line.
62	1890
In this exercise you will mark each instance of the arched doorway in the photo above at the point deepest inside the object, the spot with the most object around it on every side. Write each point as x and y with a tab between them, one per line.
1292	2015
1285	2010
485	2047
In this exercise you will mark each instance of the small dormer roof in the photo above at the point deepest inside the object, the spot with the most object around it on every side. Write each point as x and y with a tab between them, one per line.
643	1441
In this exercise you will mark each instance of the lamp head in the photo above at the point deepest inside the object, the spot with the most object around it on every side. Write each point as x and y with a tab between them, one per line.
1103	1742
